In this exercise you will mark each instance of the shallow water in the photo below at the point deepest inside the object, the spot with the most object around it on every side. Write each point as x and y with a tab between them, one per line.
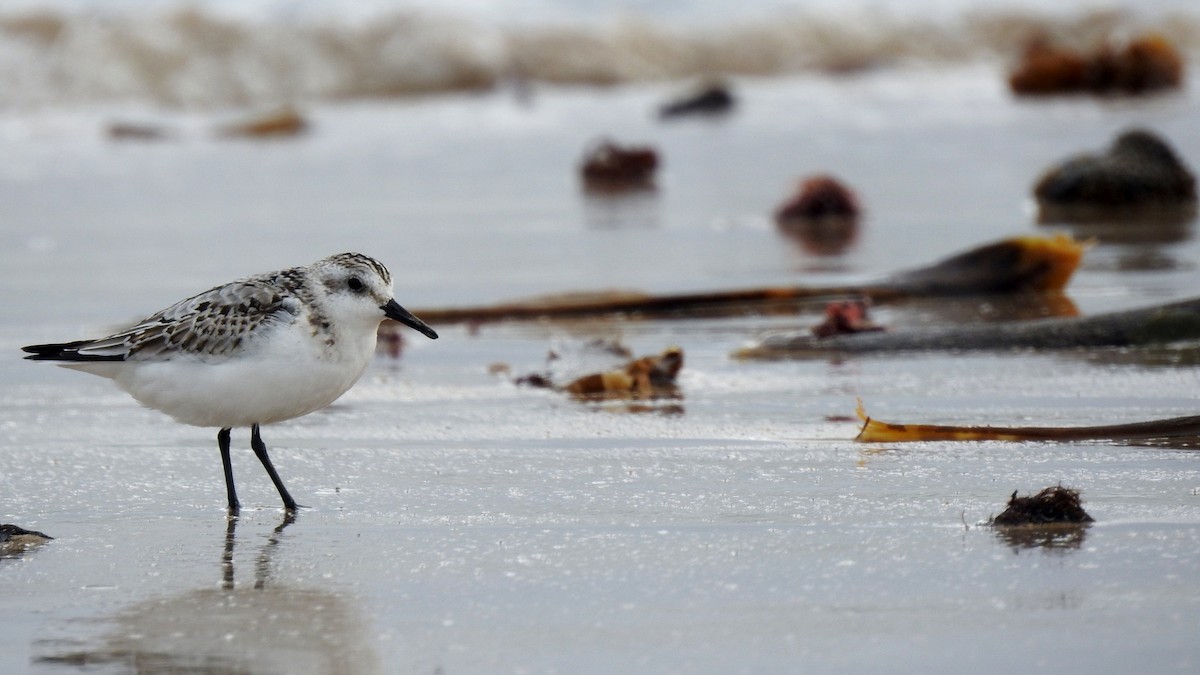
461	524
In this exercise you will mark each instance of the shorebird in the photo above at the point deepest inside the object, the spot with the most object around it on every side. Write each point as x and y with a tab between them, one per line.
255	351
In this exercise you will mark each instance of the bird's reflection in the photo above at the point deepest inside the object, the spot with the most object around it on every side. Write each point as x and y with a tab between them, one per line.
262	565
261	627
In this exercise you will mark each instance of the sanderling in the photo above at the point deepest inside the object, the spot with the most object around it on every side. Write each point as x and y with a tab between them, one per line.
263	349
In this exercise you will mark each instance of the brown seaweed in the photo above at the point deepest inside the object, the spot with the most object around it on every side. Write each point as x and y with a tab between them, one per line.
711	99
876	431
609	168
1019	264
845	317
822	215
646	378
1148	63
1155	325
1055	504
283	123
16	541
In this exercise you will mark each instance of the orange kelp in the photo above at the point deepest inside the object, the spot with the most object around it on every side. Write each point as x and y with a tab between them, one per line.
874	431
1021	264
1016	265
283	123
1157	325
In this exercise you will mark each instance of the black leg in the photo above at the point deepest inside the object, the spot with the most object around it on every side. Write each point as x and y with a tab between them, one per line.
231	493
260	449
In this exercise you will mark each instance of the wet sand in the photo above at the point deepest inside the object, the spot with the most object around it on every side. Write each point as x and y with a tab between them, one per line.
460	524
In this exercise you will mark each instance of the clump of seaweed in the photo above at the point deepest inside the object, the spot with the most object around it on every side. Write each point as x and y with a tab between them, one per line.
1146	64
10	533
844	317
822	215
647	378
709	99
608	168
285	122
1056	504
16	540
650	377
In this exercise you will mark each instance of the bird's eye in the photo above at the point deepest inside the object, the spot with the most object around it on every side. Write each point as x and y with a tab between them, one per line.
355	284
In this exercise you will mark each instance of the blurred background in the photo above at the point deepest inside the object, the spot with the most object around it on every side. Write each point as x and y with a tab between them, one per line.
173	145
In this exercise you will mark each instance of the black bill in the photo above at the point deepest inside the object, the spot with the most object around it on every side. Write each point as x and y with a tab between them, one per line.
395	312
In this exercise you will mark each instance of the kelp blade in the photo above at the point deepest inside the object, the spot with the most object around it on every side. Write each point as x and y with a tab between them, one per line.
1030	264
1027	264
875	431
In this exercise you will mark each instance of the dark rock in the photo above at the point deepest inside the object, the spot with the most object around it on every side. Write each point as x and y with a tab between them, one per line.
1139	172
712	99
135	131
609	167
819	196
822	215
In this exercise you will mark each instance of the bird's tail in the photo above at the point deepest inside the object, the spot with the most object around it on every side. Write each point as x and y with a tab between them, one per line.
67	351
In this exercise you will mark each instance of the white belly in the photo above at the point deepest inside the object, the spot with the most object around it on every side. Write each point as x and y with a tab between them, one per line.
273	385
235	394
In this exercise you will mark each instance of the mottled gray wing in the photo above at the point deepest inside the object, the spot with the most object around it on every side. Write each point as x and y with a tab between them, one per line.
213	325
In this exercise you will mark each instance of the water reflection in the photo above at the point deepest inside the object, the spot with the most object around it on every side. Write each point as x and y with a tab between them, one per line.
1053	538
1135	245
830	236
1138	258
993	308
1150	260
1190	443
666	410
1173	355
1167	227
256	627
1041	602
633	209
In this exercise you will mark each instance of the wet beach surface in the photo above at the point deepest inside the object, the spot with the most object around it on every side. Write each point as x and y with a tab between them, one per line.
460	524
